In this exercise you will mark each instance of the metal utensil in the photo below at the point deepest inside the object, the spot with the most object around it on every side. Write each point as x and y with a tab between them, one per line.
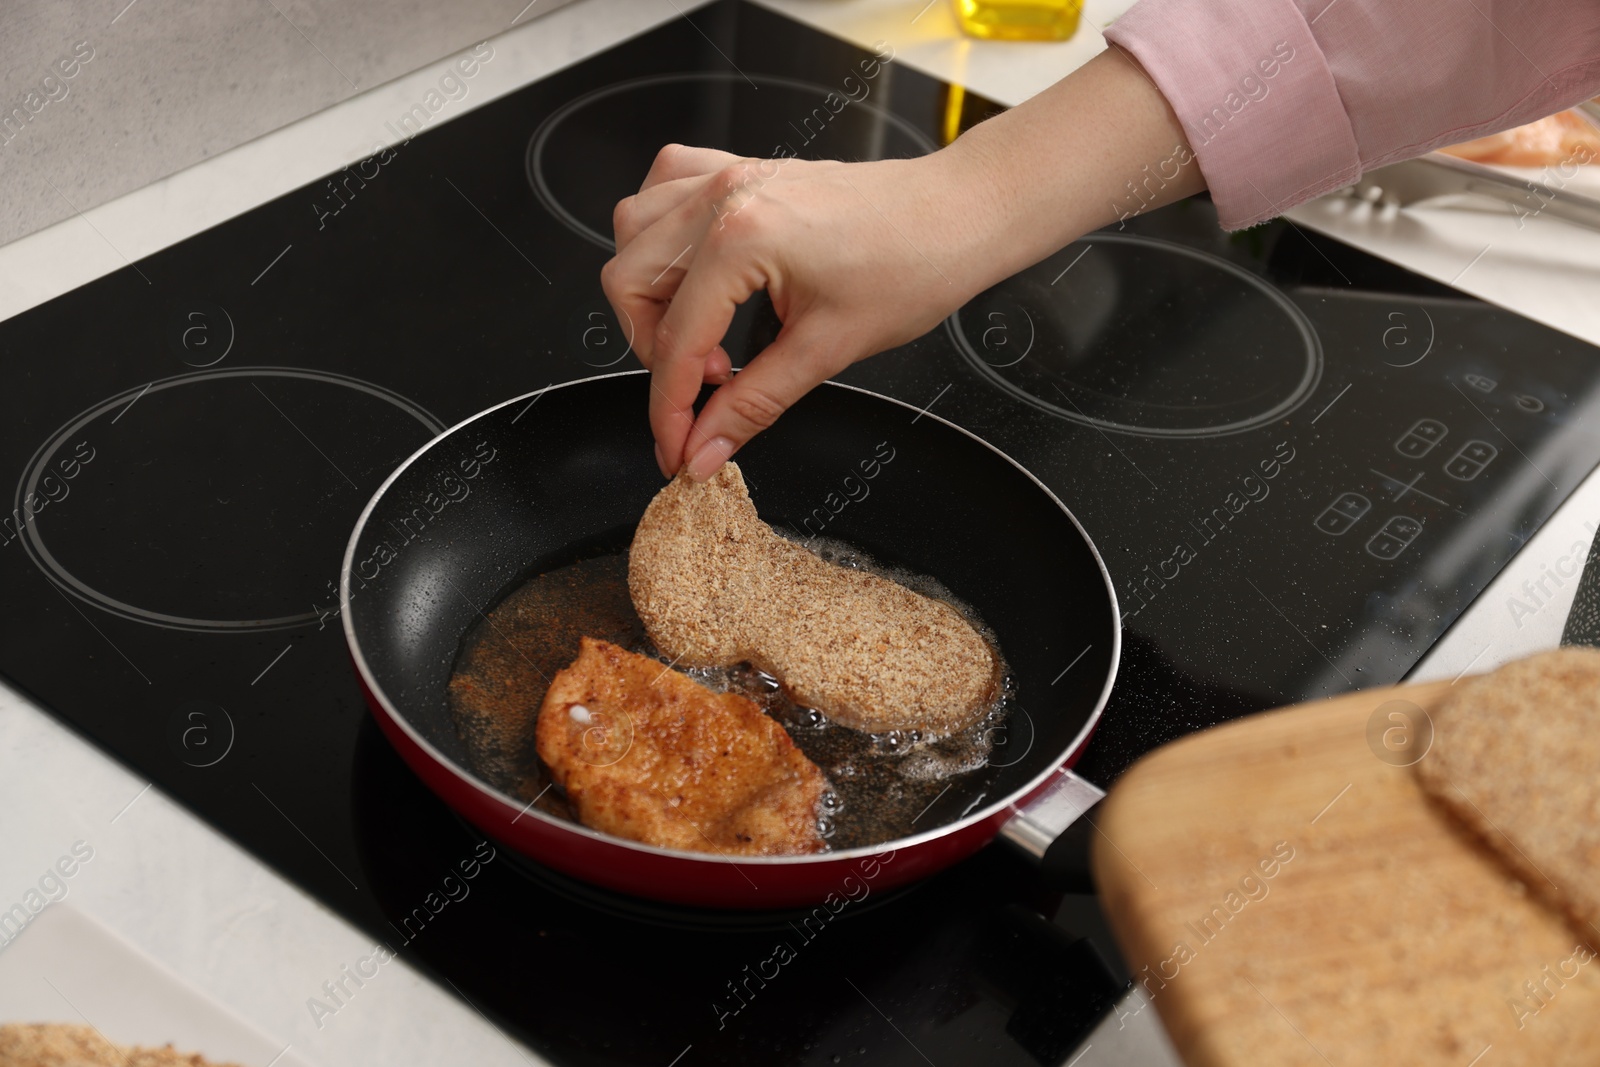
1436	175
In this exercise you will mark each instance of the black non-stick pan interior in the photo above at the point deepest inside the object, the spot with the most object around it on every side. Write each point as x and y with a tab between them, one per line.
537	481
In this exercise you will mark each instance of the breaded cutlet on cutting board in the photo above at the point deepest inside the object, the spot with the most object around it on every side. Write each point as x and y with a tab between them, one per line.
1392	935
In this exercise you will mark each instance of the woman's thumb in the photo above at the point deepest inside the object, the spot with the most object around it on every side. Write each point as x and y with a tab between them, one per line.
769	385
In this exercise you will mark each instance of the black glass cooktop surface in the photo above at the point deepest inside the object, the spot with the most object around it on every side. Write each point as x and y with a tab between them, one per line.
1300	464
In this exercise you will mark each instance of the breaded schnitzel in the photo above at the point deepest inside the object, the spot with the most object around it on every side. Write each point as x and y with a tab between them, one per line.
75	1045
716	586
646	753
1514	756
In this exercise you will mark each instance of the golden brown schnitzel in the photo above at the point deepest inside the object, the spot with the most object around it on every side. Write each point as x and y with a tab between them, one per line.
649	754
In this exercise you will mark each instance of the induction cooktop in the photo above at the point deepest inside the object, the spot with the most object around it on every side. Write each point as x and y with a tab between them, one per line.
1300	464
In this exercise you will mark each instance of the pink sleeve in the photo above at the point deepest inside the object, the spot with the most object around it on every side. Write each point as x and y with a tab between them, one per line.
1283	100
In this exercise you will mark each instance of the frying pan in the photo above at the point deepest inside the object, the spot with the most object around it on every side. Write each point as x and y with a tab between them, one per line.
519	488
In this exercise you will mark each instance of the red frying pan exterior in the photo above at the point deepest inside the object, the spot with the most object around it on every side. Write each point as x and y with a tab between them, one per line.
681	877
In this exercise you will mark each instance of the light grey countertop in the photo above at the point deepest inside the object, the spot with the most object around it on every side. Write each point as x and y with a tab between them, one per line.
153	86
187	115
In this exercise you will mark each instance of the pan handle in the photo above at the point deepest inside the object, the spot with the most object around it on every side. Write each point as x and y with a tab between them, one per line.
1050	829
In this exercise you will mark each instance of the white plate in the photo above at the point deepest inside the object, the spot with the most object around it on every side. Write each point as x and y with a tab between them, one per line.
67	968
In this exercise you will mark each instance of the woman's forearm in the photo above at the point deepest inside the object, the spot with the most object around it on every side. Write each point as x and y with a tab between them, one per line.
1099	146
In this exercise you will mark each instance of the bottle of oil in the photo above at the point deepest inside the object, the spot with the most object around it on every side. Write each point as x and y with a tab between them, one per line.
1019	20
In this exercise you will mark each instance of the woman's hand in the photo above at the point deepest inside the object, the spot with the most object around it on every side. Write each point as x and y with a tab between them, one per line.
860	257
856	257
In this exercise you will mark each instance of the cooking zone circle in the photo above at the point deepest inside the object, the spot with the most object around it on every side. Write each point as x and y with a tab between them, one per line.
1134	335
183	502
601	145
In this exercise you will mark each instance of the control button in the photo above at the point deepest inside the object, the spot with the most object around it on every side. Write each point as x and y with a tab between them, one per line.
1470	459
1481	384
1343	513
1396	534
1531	404
1420	439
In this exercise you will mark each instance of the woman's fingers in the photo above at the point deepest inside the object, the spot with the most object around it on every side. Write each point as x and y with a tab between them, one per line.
655	233
692	328
642	278
637	213
680	305
677	161
719	366
708	231
797	361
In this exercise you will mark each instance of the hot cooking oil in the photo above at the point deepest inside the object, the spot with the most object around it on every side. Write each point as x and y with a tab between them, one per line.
882	784
1019	20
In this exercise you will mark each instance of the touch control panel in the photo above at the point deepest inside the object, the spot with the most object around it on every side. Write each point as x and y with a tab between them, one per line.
1396	502
1395	537
1470	459
1343	513
1420	439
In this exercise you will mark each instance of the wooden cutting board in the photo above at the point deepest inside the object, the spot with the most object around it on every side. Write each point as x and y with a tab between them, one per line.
1385	933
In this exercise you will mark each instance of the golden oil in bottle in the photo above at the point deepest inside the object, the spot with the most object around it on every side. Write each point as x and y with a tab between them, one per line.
1019	20
955	105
